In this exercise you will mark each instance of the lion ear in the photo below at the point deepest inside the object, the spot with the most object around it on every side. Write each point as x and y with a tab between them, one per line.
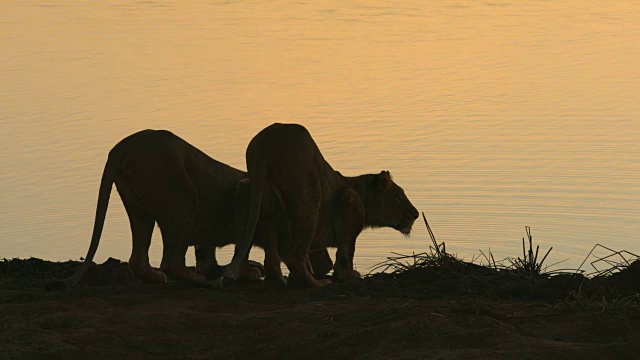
383	180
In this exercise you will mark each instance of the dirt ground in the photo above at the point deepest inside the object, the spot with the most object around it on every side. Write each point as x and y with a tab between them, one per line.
471	312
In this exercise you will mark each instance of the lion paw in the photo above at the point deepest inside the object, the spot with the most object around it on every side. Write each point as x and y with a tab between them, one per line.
155	277
215	284
251	271
276	282
323	282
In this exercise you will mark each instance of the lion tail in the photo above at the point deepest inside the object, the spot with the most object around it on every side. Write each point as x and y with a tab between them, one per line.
116	156
258	178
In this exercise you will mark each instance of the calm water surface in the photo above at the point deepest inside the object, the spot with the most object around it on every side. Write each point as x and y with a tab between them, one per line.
491	115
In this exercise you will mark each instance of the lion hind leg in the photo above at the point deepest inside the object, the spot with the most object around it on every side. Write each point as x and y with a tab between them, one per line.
139	260
207	264
142	224
300	274
321	263
273	272
297	259
174	251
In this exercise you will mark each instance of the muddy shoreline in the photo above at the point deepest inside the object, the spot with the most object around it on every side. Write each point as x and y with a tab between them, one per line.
455	312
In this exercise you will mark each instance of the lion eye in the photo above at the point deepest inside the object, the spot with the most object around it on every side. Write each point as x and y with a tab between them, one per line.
399	198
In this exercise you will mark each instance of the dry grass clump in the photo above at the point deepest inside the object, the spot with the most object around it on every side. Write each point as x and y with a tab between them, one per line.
612	262
436	272
529	262
438	257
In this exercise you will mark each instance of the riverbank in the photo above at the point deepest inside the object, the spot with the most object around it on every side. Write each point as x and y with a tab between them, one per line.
449	310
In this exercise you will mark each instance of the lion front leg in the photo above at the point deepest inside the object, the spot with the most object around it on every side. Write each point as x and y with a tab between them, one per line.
344	263
348	224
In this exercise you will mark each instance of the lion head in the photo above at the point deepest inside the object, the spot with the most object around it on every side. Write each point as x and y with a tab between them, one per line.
387	205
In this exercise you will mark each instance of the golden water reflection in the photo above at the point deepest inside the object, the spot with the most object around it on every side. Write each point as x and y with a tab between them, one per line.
491	115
